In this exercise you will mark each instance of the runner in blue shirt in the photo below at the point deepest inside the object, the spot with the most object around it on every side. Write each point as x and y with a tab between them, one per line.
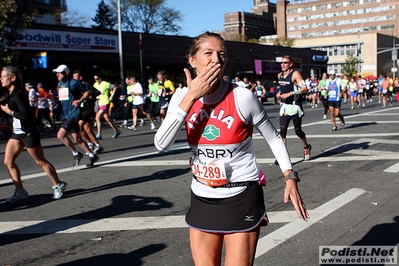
334	86
71	94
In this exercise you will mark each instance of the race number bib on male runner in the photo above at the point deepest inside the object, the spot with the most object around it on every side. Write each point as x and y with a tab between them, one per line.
212	174
63	93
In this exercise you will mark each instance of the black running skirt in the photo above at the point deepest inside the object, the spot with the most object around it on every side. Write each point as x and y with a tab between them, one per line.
241	213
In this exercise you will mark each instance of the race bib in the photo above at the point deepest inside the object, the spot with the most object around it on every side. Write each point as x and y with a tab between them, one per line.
291	109
212	174
17	126
63	93
258	93
360	90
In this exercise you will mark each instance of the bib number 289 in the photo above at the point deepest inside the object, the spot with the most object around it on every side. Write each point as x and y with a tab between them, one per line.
212	174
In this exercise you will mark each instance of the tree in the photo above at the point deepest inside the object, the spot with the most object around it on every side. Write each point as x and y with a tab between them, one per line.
284	41
12	22
352	65
148	16
74	18
105	19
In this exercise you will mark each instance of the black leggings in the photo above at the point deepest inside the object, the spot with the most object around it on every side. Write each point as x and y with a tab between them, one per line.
128	110
285	120
153	107
325	104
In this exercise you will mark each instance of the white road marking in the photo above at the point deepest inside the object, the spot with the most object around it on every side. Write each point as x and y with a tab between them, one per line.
393	169
164	222
282	234
335	136
368	155
113	224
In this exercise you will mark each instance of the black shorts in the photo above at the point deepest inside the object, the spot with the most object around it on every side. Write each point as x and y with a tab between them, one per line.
71	125
30	140
334	104
87	113
241	213
139	107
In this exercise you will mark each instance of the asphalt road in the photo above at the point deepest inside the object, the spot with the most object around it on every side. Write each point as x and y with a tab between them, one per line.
129	209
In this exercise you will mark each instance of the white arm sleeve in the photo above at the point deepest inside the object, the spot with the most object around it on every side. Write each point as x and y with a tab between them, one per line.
254	112
172	124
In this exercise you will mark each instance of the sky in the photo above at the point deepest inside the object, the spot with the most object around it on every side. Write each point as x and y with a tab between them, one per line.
198	15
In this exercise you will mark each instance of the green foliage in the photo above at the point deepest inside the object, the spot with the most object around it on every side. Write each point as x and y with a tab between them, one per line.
148	16
352	65
243	38
255	41
12	22
284	41
105	19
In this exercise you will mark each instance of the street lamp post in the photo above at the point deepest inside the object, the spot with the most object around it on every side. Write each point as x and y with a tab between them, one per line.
394	57
120	45
358	52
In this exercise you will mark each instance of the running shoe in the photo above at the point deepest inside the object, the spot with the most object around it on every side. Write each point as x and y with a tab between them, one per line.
92	160
132	128
306	153
142	122
18	195
343	123
334	129
324	116
77	158
98	136
59	190
98	149
116	134
91	146
153	126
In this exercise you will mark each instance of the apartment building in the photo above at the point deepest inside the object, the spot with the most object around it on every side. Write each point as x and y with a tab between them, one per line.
364	28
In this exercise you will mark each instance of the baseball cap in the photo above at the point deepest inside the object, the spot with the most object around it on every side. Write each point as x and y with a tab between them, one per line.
28	85
61	68
331	72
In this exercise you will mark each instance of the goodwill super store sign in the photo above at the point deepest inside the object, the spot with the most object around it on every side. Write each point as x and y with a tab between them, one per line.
33	39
